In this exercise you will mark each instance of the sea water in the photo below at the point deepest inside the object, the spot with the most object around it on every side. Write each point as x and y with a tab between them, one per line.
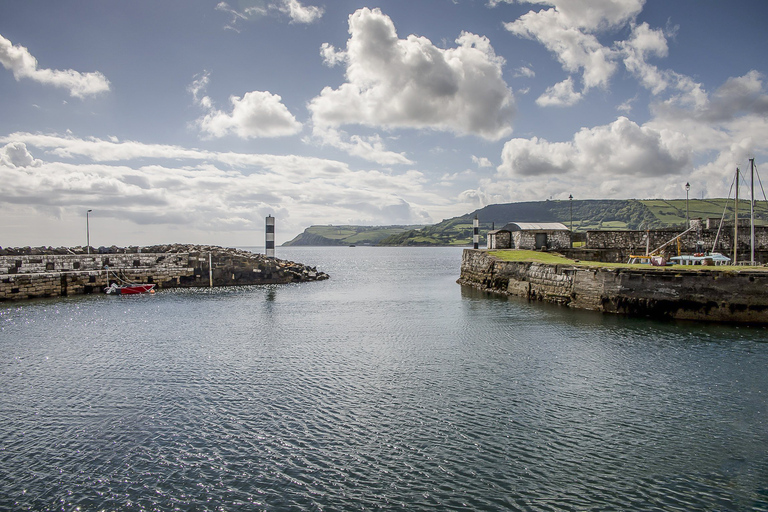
388	386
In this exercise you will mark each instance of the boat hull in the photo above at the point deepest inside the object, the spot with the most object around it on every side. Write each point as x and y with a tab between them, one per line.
134	289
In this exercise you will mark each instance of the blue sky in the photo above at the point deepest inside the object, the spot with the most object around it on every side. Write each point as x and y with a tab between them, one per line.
190	121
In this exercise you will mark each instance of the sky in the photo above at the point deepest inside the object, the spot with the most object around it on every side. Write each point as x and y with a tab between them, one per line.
190	121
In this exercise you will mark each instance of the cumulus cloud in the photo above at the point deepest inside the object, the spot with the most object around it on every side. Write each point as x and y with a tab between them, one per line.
577	50
300	13
16	154
559	95
692	136
22	64
256	114
621	148
411	83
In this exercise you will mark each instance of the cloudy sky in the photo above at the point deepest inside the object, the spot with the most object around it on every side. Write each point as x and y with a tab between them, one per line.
191	120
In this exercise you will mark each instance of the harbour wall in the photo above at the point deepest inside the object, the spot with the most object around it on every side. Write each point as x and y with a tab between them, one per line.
710	295
28	276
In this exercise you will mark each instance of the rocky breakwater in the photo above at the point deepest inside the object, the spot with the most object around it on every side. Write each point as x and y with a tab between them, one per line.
704	293
27	273
235	267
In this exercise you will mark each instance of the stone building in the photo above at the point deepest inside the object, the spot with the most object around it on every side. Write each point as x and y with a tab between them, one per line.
530	235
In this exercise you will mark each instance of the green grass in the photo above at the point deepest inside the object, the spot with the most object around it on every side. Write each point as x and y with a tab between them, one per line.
551	258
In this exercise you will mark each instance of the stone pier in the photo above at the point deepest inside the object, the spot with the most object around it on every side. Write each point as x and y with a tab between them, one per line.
659	292
33	273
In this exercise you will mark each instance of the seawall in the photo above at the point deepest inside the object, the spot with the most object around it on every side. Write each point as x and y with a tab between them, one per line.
710	295
27	276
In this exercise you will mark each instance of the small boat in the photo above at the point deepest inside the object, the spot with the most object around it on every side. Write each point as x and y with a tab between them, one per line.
129	289
711	259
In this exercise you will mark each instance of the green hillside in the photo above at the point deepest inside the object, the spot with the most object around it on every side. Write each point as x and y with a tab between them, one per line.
347	235
605	214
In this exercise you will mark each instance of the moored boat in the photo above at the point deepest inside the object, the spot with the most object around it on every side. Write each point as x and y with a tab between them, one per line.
129	289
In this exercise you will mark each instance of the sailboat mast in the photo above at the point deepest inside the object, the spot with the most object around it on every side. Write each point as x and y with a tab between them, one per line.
752	210
736	219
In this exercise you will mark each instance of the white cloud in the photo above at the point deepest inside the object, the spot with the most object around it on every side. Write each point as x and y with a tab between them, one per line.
295	10
525	71
645	42
481	161
692	137
16	154
239	189
22	64
411	83
300	13
331	56
576	50
589	14
256	114
622	148
559	95
369	148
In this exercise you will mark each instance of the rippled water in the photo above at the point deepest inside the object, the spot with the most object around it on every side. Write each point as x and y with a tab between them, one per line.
388	386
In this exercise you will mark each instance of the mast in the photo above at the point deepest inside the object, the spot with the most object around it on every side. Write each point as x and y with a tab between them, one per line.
736	219
752	211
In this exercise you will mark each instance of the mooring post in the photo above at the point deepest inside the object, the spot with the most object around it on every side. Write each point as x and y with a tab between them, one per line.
476	235
210	270
270	237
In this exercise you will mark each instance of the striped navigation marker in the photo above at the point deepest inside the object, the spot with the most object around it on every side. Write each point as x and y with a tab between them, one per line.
270	241
476	236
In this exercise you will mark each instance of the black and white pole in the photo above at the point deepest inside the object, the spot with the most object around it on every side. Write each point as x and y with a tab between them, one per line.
270	241
476	235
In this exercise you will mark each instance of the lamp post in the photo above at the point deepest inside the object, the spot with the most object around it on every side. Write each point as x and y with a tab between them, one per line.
570	199
687	217
88	232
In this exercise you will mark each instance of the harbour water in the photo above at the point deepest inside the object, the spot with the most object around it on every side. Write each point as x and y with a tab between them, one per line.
388	387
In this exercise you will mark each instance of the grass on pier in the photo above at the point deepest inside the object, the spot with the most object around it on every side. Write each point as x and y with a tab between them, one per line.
552	258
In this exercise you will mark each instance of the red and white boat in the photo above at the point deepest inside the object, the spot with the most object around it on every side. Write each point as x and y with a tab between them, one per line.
129	289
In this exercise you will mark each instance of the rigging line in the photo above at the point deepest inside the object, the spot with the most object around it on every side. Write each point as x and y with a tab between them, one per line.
722	219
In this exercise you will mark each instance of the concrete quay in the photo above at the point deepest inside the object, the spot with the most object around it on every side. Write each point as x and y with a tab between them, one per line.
657	292
34	273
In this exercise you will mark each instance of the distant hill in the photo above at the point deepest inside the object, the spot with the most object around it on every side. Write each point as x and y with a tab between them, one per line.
347	235
605	214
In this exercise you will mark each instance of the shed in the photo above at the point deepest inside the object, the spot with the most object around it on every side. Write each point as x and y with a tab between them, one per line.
499	239
537	235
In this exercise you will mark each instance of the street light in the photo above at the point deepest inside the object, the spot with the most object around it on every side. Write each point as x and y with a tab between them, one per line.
88	232
687	217
570	199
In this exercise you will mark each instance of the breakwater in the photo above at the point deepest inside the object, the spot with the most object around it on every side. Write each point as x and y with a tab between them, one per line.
33	273
675	292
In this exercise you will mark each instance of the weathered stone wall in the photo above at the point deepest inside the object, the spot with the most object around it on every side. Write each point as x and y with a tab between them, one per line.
527	239
28	264
625	243
26	276
711	295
